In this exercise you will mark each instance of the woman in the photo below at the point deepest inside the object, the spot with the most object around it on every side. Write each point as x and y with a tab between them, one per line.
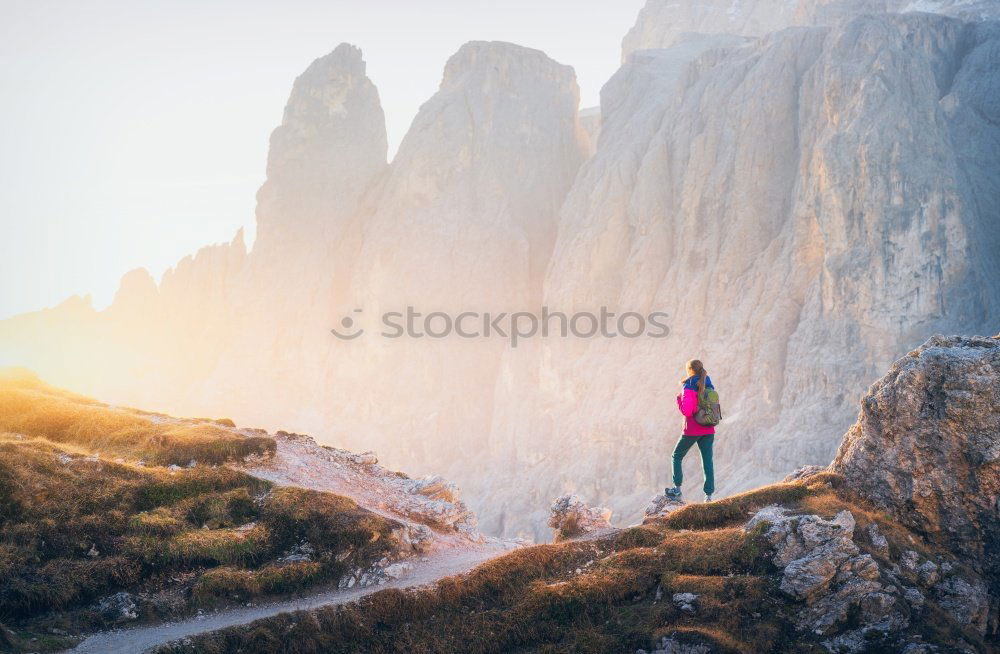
687	403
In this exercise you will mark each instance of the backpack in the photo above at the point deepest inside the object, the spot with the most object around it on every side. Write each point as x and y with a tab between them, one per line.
709	412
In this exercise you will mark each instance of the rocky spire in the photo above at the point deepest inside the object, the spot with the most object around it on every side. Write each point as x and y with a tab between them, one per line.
331	143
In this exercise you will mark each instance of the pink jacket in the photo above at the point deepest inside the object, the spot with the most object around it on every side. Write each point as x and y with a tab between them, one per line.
687	404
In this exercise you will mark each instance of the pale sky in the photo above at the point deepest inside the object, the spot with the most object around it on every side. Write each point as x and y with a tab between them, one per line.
135	132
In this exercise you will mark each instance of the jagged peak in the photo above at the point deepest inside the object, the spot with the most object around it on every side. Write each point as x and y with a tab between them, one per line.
239	242
345	62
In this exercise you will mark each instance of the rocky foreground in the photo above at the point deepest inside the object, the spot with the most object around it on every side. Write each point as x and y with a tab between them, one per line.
892	548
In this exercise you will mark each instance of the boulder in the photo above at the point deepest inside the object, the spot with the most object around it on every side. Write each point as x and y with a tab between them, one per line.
686	602
571	518
926	448
118	608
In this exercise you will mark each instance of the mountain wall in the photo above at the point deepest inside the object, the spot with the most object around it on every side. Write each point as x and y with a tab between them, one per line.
805	207
804	204
662	23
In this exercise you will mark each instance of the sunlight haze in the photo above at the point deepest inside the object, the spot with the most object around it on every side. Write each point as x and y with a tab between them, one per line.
136	133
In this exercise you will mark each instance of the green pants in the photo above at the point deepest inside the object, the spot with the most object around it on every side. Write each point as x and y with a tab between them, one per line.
705	446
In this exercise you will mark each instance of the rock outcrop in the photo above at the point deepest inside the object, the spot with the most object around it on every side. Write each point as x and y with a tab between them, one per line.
849	588
570	517
926	446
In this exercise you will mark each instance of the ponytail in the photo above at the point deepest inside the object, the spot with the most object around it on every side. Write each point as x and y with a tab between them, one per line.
696	367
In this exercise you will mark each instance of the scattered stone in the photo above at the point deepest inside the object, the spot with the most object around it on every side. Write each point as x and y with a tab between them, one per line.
304	552
672	646
685	602
422	505
398	569
909	560
920	648
823	568
928	573
120	607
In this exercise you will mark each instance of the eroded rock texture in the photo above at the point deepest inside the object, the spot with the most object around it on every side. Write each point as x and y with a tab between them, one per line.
806	208
926	446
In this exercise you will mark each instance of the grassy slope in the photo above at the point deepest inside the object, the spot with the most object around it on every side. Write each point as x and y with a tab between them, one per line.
591	596
75	527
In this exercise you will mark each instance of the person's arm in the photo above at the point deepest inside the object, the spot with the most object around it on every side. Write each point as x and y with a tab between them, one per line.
688	404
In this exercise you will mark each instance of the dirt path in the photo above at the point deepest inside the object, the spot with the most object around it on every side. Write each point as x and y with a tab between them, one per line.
428	507
444	563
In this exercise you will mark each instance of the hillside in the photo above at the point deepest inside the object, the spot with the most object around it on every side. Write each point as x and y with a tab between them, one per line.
839	560
111	517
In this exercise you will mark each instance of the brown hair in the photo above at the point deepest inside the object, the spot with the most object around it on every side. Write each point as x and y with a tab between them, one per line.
696	367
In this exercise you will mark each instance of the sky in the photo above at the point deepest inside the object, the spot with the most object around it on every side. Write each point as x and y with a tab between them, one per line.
133	133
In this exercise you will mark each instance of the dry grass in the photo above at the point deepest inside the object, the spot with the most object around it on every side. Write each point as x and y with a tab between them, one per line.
223	584
590	596
736	509
75	527
33	409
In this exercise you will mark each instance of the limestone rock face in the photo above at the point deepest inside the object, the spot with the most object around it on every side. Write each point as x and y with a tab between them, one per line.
662	23
926	446
795	283
330	145
463	221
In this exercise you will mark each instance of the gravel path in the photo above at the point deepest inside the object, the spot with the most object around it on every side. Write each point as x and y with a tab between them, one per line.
442	564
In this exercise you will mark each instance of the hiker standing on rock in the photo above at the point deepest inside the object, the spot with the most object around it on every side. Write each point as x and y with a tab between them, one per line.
699	403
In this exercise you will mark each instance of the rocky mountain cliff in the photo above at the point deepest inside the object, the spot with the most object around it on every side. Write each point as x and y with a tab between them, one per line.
794	282
805	204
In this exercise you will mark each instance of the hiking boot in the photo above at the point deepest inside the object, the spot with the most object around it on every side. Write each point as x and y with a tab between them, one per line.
708	497
673	493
